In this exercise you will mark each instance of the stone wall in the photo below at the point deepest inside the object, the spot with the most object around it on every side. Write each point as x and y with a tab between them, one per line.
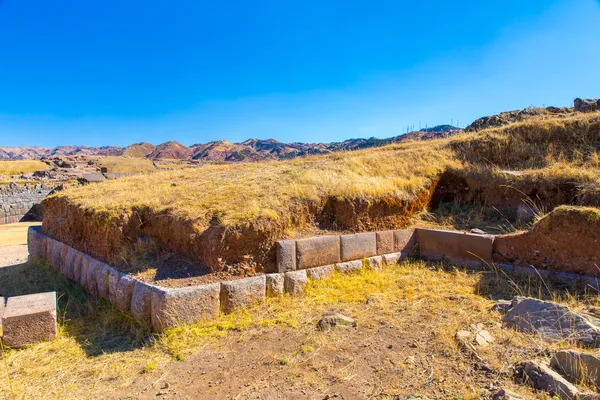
22	203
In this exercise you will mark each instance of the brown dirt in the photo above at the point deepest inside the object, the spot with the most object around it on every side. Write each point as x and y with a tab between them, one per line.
565	240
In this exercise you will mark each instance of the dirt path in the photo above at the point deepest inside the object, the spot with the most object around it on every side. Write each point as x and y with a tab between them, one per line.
13	255
13	243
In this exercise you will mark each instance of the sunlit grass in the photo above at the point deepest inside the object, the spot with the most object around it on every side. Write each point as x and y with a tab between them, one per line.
19	167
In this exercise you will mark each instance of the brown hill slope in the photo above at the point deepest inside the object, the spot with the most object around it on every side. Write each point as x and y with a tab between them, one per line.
139	150
171	150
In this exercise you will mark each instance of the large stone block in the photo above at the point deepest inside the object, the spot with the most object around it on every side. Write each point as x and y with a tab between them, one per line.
29	319
458	247
173	307
295	282
102	275
114	277
317	251
141	300
91	282
319	273
84	267
349	267
242	293
404	240
54	253
122	292
35	240
286	255
274	283
358	246
68	265
77	266
385	242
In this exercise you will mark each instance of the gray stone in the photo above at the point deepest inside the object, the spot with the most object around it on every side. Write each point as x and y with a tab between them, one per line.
55	249
35	240
319	273
552	321
333	319
349	267
67	267
393	258
91	282
122	293
114	277
102	276
457	247
286	255
2	306
375	262
317	251
84	267
274	284
502	306
358	246
141	300
404	240
385	242
242	293
29	319
578	366
541	377
505	394
295	282
586	105
77	266
173	307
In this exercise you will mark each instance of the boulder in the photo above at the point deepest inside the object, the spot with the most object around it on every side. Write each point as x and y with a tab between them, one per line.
319	273
187	305
242	293
578	366
502	306
29	319
295	282
333	319
274	283
552	321
586	105
541	377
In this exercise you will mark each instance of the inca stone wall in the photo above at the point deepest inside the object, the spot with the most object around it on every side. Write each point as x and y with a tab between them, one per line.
22	202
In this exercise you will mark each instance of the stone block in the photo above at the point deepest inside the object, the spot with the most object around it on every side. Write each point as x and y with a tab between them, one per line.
358	246
578	366
114	277
374	262
29	319
393	258
102	275
274	283
141	300
404	240
349	267
242	293
46	245
91	282
319	273
385	242
122	292
35	240
286	255
68	264
295	282
317	251
173	307
54	253
77	266
84	267
2	304
458	247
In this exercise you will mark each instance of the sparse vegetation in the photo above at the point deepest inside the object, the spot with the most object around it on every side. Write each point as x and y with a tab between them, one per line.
126	165
19	167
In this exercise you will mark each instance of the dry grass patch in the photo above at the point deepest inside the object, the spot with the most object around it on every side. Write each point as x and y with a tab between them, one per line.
126	165
407	314
19	167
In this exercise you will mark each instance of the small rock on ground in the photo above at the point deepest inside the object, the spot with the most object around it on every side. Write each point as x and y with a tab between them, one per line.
541	377
331	320
504	394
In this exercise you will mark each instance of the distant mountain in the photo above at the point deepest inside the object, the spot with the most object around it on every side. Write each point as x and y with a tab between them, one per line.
139	150
224	151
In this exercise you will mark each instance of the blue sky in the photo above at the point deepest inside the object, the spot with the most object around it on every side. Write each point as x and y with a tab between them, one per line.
118	72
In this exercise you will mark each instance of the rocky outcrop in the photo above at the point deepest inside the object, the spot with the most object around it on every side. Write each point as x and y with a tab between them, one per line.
586	105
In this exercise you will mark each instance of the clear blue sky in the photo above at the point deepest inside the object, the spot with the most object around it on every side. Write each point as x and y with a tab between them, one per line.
117	72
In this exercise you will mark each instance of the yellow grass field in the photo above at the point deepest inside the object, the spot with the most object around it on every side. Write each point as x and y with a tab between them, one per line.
126	165
19	167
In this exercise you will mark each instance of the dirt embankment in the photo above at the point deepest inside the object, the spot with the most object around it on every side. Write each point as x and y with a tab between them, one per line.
114	238
564	240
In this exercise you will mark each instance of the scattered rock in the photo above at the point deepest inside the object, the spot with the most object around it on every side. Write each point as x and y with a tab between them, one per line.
541	377
478	231
331	320
586	105
504	394
502	306
578	366
552	321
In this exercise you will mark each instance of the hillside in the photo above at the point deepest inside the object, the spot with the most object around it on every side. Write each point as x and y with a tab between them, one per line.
139	150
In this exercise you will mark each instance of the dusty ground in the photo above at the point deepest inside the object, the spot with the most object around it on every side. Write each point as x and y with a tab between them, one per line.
13	243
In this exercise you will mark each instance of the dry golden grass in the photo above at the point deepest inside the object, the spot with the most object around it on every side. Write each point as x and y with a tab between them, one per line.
100	350
19	167
126	165
242	192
